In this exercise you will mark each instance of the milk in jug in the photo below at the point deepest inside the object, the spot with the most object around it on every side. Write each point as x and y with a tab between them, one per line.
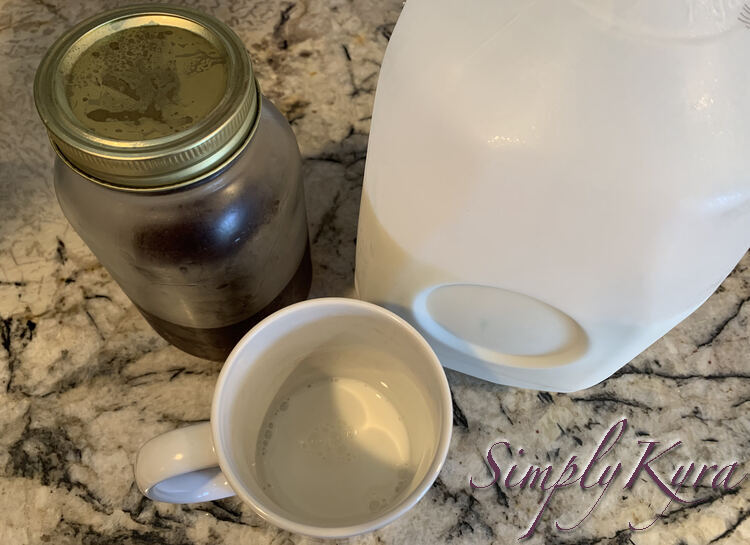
553	185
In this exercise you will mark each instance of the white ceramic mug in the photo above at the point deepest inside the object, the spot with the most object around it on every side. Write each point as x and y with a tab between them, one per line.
331	418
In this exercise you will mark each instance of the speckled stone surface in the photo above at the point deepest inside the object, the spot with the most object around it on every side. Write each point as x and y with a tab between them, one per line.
84	381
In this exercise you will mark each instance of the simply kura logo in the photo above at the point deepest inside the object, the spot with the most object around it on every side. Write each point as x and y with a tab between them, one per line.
595	474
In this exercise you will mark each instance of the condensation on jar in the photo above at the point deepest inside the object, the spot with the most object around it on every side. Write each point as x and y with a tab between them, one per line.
182	179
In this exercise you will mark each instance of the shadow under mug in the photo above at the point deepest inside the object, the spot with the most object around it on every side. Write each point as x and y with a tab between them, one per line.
331	418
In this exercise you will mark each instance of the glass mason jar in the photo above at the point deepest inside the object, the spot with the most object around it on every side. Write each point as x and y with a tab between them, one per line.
182	179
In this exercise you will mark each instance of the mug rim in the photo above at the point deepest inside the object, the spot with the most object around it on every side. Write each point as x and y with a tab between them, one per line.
334	532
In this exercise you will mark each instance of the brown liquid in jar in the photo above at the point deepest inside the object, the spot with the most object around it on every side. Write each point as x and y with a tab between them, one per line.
182	179
216	343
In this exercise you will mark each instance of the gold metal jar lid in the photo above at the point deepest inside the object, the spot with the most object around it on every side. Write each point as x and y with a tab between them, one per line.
147	96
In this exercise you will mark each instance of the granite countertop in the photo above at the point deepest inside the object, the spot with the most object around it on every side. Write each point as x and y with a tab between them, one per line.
84	381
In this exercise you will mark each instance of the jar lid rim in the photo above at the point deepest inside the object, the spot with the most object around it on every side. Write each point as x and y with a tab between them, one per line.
174	155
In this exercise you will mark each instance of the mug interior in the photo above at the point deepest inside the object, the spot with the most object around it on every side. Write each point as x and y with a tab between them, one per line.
332	415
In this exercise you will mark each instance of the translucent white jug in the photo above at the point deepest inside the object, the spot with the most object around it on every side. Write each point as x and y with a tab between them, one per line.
551	186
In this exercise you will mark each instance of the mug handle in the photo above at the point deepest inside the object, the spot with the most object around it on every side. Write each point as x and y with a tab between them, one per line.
181	466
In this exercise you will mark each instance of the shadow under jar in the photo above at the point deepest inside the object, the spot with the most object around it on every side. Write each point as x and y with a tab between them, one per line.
182	179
